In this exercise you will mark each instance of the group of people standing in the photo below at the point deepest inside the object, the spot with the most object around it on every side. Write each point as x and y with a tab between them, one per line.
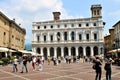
37	63
97	65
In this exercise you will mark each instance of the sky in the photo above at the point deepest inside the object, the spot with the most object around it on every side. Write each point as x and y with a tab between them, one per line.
27	11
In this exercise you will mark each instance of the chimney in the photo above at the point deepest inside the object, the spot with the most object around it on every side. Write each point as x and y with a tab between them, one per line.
14	19
56	16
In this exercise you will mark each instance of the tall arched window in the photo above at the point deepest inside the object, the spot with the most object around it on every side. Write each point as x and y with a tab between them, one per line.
58	36
95	36
65	36
87	37
51	38
44	38
4	37
80	37
72	36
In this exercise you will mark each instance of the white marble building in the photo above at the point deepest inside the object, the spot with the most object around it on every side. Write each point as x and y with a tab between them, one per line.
72	37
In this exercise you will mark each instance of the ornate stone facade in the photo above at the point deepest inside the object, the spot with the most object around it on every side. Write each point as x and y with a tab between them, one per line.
72	37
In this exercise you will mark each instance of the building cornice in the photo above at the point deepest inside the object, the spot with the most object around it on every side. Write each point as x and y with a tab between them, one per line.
116	23
68	20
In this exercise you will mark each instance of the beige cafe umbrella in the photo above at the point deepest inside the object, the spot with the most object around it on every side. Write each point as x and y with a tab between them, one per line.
3	49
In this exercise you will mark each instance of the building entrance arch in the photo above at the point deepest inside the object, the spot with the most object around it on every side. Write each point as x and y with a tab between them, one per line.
51	52
45	52
80	52
65	51
88	51
38	50
73	51
58	52
95	49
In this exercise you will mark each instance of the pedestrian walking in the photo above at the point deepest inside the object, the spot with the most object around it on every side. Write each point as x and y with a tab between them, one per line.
15	61
43	58
69	59
54	60
49	60
34	62
66	58
97	66
59	59
24	63
40	63
108	67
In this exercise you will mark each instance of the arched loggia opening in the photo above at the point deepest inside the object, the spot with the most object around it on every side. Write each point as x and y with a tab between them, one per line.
80	52
88	51
95	49
38	50
45	53
58	52
73	51
51	52
65	51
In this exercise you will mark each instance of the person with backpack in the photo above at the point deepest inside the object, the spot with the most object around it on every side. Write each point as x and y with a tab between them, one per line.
97	66
24	63
108	67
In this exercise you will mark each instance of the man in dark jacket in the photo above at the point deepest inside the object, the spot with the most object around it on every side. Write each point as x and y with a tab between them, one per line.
98	68
24	64
108	63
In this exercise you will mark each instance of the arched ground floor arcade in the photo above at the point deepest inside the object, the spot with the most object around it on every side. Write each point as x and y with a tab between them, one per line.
69	51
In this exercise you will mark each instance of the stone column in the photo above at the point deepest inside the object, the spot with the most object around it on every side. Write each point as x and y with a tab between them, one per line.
92	36
42	51
99	49
91	51
34	38
76	50
48	40
69	51
62	37
55	37
76	36
69	36
55	52
84	51
41	37
62	53
84	36
48	50
34	49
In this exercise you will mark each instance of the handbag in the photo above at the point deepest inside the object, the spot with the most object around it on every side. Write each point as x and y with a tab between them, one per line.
94	66
107	66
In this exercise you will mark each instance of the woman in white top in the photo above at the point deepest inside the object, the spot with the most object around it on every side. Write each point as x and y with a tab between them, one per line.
34	62
15	61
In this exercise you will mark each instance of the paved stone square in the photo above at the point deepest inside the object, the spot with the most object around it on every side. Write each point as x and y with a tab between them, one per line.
63	71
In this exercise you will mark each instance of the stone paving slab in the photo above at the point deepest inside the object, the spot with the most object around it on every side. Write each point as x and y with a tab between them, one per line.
63	71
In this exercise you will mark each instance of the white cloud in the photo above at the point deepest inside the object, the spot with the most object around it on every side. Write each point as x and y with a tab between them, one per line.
28	11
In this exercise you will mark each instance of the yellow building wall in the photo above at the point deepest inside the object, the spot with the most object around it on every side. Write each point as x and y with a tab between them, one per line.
11	34
4	32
